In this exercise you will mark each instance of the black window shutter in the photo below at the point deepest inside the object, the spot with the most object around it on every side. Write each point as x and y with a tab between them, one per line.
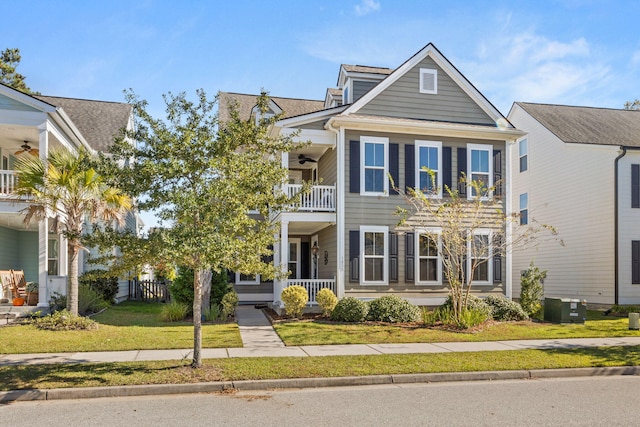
635	262
497	260
231	276
497	172
635	186
446	169
394	167
462	169
393	257
305	260
354	255
409	166
409	251
354	166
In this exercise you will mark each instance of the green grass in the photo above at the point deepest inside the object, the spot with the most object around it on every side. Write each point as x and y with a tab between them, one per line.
126	326
319	333
179	372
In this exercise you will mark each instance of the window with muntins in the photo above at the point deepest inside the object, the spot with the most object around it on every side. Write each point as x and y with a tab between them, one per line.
374	246
480	168
523	152
429	260
480	254
428	81
52	258
429	156
247	279
524	209
374	154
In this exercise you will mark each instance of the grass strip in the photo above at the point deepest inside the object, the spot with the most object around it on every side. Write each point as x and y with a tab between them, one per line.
179	372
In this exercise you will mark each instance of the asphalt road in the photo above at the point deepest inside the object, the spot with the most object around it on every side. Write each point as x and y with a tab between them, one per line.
586	401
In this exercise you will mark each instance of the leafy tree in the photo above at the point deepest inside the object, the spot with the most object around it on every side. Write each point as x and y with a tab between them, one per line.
632	105
531	290
9	61
203	177
467	232
65	188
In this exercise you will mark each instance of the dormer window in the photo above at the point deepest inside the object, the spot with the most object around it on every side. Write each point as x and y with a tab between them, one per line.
345	95
428	81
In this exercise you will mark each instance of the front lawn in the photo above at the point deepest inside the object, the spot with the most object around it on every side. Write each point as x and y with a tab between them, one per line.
319	333
126	326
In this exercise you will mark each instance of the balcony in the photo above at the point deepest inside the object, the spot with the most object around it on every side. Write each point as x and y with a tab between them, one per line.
321	198
7	182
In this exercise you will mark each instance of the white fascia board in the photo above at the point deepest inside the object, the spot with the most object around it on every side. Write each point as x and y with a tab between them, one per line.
421	128
26	99
446	66
316	136
310	118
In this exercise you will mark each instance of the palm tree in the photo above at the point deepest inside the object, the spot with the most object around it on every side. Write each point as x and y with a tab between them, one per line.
65	188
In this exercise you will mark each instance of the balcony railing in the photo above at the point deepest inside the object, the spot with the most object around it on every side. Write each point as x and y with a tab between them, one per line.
7	182
321	198
313	286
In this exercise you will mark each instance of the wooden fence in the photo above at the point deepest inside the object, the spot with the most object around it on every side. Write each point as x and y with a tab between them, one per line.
149	290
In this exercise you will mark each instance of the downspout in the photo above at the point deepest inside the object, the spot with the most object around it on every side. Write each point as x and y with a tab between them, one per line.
615	227
340	242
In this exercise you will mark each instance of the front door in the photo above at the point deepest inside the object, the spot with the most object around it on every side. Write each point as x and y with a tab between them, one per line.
294	258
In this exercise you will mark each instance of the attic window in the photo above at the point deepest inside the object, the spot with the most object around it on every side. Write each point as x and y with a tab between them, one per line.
428	81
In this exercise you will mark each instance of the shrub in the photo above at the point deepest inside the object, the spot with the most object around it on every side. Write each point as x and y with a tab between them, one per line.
89	300
212	313
429	318
474	303
471	317
63	320
505	310
220	286
181	288
57	302
327	301
229	304
476	313
391	308
350	309
295	298
531	290
173	312
105	285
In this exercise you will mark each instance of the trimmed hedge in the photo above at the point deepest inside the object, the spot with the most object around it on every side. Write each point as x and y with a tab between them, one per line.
393	309
350	309
504	309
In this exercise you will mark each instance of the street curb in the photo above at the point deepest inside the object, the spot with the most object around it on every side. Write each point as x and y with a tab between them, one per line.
298	383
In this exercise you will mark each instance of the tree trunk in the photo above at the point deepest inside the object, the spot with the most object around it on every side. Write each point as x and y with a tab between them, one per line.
72	277
206	290
197	318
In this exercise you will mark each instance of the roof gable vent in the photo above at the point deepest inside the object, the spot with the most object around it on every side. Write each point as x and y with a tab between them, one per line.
428	81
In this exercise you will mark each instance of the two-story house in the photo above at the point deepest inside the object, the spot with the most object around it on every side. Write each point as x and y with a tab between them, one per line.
380	122
33	125
578	169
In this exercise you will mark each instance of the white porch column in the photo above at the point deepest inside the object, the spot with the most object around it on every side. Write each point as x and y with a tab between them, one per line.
63	265
43	229
340	226
509	236
284	261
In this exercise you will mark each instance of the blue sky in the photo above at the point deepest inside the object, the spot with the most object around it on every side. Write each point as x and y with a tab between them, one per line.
576	52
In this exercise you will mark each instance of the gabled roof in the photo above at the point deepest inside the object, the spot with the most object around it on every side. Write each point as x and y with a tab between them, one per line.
431	51
588	125
367	69
99	122
245	102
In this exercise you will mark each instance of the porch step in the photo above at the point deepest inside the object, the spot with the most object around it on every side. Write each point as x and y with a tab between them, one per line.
9	313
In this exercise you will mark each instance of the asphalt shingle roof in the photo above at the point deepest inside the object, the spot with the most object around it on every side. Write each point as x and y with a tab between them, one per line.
587	125
367	69
98	121
290	106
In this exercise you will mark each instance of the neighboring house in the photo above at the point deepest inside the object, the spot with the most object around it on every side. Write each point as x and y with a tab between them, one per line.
379	122
44	123
578	170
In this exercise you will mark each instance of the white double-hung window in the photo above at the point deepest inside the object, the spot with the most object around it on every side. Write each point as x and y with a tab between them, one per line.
429	167
480	253
374	161
480	169
374	244
429	263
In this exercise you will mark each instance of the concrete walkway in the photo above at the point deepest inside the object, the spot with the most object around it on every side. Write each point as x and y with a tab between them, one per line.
255	328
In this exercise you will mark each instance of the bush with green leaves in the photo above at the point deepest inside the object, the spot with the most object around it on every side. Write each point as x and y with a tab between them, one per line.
101	282
505	310
531	290
90	300
173	312
213	313
393	309
63	320
229	303
476	313
429	317
327	301
181	289
350	309
473	303
295	299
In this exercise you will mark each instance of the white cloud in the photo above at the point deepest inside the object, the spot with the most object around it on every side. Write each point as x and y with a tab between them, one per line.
635	58
366	7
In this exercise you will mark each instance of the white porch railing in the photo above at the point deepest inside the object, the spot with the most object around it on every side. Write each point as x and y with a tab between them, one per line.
313	286
7	182
321	198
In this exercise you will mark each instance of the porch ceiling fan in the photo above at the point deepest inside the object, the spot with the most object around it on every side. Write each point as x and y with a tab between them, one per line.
26	148
302	159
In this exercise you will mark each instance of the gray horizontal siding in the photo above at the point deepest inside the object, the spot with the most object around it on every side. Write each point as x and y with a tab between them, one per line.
360	87
404	100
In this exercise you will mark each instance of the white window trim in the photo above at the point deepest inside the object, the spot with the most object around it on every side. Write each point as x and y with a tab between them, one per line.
489	150
429	232
438	145
298	242
526	154
256	281
385	274
482	232
526	207
432	72
347	89
385	180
